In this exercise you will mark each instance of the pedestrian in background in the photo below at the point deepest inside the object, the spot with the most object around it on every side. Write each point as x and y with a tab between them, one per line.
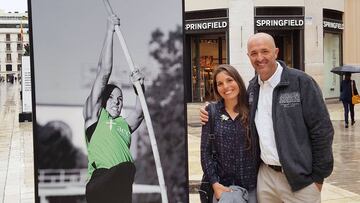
347	89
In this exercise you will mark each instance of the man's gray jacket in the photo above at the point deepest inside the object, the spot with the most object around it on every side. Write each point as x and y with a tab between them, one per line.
302	127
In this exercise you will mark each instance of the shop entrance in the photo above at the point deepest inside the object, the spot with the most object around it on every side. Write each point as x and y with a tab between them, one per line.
207	51
332	43
290	46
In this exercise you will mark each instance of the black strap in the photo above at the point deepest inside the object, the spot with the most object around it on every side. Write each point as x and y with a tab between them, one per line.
212	112
353	88
93	165
90	130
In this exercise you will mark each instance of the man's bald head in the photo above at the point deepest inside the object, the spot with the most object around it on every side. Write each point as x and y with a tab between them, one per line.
262	36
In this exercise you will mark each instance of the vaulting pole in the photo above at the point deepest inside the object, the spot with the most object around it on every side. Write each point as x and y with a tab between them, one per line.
146	113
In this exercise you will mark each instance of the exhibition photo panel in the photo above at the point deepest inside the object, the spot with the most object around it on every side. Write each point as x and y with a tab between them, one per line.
109	115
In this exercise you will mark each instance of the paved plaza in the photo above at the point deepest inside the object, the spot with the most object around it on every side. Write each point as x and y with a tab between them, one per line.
343	186
16	153
16	149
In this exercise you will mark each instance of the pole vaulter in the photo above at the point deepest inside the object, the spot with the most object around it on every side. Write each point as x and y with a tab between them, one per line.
150	128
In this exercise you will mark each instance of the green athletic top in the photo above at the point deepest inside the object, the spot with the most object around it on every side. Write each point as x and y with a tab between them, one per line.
109	144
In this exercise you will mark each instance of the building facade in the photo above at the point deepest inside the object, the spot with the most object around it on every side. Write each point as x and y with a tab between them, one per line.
13	37
351	33
311	36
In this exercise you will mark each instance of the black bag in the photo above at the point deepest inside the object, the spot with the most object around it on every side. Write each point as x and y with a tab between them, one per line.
206	192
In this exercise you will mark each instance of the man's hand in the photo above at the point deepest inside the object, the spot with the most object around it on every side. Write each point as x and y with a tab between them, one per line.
219	189
319	186
204	115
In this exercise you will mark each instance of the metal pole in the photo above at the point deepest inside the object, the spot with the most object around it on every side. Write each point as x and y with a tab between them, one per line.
146	113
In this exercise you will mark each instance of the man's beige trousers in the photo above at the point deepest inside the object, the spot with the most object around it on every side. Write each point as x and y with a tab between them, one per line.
273	187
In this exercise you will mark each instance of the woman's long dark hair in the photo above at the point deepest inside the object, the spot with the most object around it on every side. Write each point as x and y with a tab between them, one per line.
242	106
106	94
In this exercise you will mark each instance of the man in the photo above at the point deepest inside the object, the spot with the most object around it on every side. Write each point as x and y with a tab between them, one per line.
108	134
290	118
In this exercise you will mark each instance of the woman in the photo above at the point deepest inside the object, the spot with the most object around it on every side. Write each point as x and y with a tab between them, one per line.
346	90
108	134
236	155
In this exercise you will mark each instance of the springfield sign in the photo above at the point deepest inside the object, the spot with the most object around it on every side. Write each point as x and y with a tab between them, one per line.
276	22
195	26
333	25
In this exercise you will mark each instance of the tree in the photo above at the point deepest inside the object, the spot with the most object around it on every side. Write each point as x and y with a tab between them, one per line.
165	99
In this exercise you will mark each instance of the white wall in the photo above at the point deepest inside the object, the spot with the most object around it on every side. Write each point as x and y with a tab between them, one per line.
279	2
192	5
334	4
241	27
313	41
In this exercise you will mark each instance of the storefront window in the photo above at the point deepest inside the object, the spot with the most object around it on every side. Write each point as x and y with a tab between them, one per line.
331	60
208	51
333	28
284	41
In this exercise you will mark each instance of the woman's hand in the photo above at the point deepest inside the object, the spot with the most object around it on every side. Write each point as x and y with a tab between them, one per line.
136	75
204	115
113	20
219	189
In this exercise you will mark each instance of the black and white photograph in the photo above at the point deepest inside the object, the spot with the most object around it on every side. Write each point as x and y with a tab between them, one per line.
109	121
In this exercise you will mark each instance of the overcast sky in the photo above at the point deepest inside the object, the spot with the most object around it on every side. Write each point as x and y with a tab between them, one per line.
13	5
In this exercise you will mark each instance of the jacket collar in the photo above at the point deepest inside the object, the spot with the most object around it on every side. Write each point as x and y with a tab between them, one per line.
284	81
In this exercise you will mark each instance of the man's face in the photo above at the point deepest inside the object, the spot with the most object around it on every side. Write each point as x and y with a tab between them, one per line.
115	103
262	54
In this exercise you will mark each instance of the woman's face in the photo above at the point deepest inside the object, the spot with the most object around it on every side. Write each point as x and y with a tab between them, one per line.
115	103
227	86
